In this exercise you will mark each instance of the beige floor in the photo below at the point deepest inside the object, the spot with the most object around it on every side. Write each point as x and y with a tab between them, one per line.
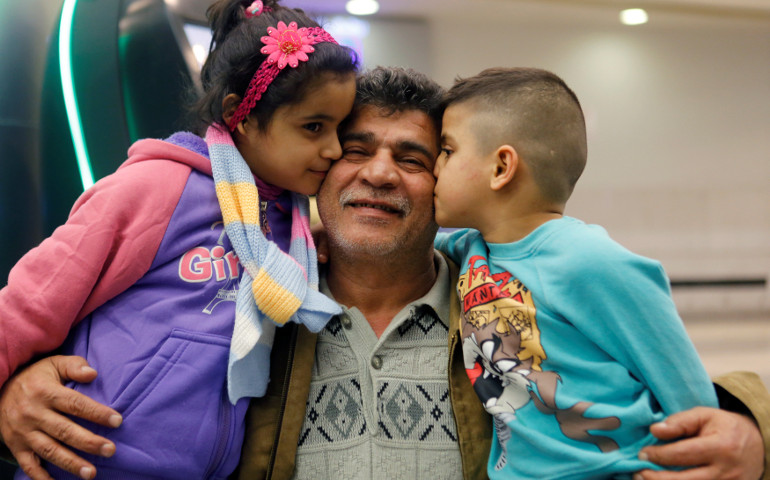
729	343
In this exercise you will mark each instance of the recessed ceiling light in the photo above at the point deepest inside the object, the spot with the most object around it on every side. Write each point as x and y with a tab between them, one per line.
362	7
633	16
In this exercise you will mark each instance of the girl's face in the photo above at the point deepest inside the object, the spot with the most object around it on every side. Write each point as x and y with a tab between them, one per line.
299	145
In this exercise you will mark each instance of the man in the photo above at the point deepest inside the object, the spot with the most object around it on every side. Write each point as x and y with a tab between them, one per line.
370	396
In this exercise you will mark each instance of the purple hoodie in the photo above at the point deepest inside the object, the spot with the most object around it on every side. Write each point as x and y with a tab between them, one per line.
157	317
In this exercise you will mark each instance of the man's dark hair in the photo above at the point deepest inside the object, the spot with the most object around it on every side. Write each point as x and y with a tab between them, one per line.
396	89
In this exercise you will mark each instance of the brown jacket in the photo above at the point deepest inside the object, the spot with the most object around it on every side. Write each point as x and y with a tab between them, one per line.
273	422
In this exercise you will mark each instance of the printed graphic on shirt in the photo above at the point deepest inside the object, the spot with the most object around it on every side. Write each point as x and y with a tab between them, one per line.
201	264
503	357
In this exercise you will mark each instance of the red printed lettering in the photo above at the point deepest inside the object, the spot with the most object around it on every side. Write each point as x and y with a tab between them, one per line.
195	265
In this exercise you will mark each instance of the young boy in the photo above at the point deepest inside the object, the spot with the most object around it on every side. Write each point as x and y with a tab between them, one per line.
572	342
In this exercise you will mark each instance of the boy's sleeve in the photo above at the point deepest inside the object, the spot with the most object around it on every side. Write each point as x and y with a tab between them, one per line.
622	302
744	392
452	244
106	245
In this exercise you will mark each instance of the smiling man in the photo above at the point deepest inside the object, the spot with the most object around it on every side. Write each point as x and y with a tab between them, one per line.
382	391
380	404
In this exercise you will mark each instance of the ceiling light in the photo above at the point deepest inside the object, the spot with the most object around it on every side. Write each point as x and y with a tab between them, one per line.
362	7
633	16
344	26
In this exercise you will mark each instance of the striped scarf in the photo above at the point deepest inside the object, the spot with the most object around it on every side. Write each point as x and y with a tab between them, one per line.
274	286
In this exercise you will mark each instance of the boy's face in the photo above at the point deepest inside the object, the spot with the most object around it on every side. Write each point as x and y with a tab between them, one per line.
463	171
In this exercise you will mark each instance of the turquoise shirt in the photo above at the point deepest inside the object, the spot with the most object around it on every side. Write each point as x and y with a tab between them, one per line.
574	345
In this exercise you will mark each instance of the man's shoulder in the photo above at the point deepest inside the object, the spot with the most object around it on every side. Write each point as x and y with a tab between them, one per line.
452	271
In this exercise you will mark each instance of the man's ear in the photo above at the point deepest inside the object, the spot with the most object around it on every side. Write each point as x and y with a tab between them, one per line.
506	164
229	106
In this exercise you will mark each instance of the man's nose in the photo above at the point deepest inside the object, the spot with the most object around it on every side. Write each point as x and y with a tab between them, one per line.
381	170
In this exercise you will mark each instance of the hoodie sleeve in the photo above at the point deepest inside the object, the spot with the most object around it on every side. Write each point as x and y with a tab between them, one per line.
106	245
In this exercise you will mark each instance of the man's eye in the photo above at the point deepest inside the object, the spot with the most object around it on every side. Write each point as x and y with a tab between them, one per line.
313	127
353	153
411	164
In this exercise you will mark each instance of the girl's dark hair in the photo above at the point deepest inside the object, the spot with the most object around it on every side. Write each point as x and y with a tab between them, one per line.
234	56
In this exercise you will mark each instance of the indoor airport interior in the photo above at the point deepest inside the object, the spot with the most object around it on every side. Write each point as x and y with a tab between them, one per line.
675	93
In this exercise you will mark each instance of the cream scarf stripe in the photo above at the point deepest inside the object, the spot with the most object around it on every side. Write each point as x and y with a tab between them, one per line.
274	286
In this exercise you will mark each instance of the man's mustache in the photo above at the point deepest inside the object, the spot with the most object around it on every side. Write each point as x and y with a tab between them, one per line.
363	194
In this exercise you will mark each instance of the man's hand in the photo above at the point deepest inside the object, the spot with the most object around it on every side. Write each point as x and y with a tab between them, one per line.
717	445
32	421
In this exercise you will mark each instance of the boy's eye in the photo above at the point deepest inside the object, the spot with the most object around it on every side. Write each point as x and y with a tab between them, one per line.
446	151
313	127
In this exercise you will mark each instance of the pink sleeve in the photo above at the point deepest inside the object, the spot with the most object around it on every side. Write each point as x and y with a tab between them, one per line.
107	244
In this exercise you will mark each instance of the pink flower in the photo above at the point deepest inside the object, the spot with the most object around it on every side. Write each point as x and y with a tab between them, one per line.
287	45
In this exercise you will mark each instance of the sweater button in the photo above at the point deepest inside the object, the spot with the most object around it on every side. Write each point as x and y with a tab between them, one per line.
346	323
377	362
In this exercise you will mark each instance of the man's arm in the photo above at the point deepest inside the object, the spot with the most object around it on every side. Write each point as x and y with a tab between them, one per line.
33	425
744	392
724	443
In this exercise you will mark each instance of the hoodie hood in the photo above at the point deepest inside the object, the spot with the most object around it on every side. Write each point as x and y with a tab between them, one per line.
183	147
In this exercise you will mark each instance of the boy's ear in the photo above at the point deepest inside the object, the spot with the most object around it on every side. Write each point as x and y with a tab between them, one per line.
229	106
506	164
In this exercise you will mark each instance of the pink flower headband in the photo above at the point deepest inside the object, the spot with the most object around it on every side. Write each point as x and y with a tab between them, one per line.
283	46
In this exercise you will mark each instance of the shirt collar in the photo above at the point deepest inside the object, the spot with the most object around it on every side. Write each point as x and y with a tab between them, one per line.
437	298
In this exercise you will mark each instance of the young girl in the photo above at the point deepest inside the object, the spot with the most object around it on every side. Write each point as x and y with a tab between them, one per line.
165	277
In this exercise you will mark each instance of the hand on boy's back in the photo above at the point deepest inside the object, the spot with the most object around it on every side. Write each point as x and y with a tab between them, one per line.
715	444
33	425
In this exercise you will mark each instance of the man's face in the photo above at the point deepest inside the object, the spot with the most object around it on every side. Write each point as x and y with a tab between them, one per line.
378	198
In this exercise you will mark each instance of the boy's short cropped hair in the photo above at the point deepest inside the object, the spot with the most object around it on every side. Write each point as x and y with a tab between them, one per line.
534	111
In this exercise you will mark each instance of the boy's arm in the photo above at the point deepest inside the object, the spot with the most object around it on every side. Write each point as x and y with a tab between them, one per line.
622	303
107	244
720	442
724	442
